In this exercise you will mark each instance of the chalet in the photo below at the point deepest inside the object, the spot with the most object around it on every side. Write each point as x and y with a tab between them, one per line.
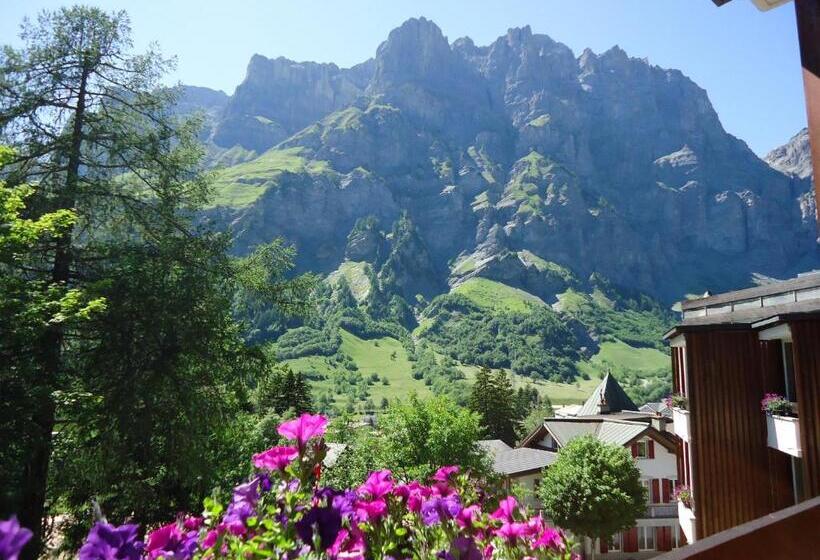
611	416
727	353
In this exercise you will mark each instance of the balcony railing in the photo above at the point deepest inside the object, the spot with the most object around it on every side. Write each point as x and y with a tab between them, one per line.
784	434
661	510
788	533
680	423
686	518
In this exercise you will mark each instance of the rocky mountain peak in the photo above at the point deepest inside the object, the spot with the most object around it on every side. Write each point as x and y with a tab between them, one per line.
417	50
794	157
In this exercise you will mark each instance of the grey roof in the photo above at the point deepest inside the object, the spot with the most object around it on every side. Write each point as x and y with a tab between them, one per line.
564	431
334	451
610	390
493	446
618	432
745	308
657	408
522	460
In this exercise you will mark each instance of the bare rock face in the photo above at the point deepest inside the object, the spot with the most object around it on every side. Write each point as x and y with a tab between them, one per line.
600	163
279	97
794	157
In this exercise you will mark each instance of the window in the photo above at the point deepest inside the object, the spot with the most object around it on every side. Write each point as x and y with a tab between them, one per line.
646	538
647	484
788	370
615	543
643	452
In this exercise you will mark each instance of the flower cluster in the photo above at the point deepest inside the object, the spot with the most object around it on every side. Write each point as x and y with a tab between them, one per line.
676	400
683	494
12	538
773	403
284	512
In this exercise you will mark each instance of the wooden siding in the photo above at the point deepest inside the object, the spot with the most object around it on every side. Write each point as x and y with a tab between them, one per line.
781	492
729	451
806	349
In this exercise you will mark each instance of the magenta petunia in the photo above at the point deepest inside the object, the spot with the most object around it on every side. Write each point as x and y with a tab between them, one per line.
275	458
506	509
377	485
550	538
468	516
304	428
371	511
512	531
444	473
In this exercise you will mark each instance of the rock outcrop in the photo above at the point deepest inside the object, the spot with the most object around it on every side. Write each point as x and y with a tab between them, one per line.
600	163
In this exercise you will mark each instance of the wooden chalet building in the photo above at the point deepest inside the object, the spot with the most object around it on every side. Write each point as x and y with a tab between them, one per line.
727	353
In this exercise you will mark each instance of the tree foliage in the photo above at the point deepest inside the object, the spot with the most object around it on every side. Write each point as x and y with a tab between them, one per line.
593	489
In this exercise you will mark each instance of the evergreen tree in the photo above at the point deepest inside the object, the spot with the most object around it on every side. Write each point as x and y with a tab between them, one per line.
280	390
493	398
150	389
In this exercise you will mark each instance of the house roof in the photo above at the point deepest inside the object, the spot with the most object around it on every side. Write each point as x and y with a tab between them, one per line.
510	462
657	408
334	451
753	307
611	392
617	432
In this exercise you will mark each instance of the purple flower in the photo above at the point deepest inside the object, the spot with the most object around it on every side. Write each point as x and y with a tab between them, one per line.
462	548
512	531
327	521
107	542
275	458
437	509
12	538
304	428
242	506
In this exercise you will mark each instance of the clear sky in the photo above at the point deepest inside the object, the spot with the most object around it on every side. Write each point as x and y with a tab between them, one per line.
747	60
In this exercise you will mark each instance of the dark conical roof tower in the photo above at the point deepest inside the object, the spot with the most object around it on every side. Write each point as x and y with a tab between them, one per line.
607	397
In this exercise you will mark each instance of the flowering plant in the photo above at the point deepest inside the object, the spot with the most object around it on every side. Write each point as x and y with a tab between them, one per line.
773	403
683	494
283	511
676	400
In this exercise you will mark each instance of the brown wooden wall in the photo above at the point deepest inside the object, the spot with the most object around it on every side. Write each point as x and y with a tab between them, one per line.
730	459
806	348
781	492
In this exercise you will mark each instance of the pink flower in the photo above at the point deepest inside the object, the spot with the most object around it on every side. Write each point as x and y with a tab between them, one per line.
304	428
414	493
349	544
506	509
511	531
467	516
275	458
192	523
210	538
371	511
550	538
444	473
377	485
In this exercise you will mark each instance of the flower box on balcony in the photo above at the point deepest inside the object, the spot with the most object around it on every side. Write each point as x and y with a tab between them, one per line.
680	423
686	518
784	434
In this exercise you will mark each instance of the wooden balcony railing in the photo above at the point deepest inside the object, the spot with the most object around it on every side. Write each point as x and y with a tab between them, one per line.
788	533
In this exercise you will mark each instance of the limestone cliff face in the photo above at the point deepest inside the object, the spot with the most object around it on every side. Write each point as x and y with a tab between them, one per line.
596	163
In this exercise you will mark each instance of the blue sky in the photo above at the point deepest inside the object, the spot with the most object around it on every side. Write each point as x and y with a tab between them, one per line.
747	60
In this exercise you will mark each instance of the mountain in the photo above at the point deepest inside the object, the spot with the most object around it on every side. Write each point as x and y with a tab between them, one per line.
794	157
599	163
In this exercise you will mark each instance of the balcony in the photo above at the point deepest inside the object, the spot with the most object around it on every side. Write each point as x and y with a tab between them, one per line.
686	518
784	434
680	423
659	511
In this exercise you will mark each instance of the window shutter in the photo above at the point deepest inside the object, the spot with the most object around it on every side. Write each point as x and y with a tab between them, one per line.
651	449
604	546
681	537
667	490
663	538
634	450
631	540
656	494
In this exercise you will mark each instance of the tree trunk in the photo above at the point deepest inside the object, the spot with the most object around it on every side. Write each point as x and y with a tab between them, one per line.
35	479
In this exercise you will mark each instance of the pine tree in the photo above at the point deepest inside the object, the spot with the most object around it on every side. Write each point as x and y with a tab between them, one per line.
493	398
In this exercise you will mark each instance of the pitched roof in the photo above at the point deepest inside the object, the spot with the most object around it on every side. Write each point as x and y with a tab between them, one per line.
657	408
610	392
620	433
564	431
509	461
